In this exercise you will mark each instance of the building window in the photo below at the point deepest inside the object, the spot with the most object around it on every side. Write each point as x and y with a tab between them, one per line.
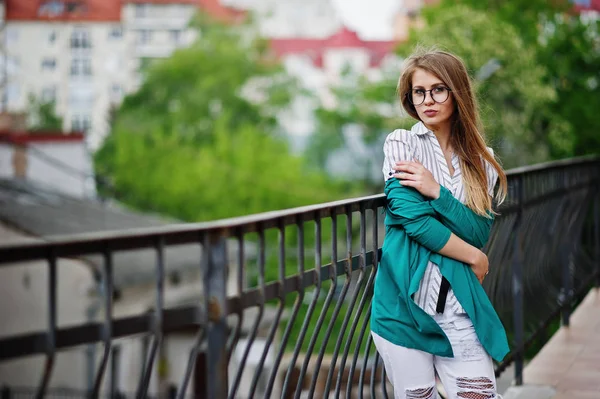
175	35
144	36
116	32
116	93
52	37
48	64
81	122
81	67
13	93
49	94
80	38
12	35
13	66
141	10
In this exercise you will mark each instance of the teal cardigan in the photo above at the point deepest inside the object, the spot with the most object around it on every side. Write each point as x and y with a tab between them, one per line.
416	229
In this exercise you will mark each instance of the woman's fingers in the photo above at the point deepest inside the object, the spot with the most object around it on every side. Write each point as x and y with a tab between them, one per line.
405	176
406	167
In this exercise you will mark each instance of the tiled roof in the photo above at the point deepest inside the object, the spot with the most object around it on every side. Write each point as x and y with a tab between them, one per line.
345	38
101	10
63	10
45	213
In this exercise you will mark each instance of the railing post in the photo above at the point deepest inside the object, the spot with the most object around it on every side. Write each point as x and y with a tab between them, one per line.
517	284
566	292
597	233
215	288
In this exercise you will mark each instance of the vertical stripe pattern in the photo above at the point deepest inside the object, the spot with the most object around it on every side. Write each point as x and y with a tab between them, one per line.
421	144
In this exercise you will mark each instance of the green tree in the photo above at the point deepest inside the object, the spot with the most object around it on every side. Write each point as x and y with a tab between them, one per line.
569	48
571	52
514	96
42	115
199	140
513	90
528	17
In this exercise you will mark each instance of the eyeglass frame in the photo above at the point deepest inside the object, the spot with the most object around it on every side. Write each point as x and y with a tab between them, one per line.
409	97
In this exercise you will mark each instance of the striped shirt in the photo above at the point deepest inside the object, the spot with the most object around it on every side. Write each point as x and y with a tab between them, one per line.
422	145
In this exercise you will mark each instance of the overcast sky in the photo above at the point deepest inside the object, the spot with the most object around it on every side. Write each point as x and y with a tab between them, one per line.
372	19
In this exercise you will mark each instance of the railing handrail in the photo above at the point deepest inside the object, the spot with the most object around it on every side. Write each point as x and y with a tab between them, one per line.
187	233
543	198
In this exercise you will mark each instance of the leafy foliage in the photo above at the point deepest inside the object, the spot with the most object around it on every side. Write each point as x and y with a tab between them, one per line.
536	68
42	116
199	140
515	97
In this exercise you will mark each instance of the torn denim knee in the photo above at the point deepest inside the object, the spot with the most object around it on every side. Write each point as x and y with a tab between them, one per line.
421	393
476	388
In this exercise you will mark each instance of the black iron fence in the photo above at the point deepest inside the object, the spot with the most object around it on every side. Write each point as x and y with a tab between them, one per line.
309	278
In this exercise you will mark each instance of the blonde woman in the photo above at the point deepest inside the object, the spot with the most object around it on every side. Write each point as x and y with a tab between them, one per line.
430	313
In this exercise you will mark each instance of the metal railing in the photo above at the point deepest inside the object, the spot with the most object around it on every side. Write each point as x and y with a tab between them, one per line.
544	255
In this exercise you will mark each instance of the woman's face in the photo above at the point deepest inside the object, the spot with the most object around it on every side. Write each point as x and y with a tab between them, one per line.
432	99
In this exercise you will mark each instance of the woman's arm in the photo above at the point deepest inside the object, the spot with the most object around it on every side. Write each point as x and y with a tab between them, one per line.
462	251
409	210
461	220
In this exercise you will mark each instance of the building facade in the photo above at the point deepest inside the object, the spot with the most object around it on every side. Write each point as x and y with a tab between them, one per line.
87	54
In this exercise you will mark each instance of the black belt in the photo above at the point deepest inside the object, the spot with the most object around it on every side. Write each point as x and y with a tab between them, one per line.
441	302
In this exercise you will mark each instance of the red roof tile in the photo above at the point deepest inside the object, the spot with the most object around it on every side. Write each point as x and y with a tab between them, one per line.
345	38
101	10
63	10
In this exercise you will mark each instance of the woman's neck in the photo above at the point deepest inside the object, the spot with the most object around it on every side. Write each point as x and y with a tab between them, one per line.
442	133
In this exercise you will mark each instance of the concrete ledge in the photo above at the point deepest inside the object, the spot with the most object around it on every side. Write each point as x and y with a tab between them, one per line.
530	392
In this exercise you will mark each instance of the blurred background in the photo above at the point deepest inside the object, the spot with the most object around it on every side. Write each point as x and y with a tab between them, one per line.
123	114
204	109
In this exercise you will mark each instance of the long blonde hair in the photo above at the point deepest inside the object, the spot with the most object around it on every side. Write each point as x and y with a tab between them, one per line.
466	137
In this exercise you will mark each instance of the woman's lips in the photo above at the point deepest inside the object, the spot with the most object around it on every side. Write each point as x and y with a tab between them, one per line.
430	113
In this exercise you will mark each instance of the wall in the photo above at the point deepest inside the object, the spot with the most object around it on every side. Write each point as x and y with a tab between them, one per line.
24	309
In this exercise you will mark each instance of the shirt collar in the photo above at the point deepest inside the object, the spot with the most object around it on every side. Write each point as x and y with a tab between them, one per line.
420	129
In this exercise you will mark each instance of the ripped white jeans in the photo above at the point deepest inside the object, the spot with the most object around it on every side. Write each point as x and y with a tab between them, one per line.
469	374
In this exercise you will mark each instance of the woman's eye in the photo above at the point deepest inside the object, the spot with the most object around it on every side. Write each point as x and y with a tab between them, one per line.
440	89
419	91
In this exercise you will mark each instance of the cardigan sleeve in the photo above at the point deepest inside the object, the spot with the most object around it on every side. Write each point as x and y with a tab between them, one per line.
408	209
461	220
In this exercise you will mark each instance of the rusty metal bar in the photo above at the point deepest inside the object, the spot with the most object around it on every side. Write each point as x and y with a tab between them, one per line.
107	327
215	295
142	390
51	342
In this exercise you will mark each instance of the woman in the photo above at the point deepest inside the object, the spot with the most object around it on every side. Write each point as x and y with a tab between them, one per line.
430	313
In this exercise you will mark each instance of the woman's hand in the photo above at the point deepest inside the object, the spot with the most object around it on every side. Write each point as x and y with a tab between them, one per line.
414	174
480	266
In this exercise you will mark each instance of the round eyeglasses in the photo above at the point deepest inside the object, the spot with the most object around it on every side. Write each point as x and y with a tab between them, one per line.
439	94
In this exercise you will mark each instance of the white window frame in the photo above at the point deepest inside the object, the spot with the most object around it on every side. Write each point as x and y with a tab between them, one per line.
81	66
116	32
144	36
81	38
81	122
48	64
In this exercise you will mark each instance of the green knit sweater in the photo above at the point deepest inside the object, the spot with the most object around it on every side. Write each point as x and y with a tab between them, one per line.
416	229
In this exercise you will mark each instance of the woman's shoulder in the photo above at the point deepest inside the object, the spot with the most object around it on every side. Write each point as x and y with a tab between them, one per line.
404	135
